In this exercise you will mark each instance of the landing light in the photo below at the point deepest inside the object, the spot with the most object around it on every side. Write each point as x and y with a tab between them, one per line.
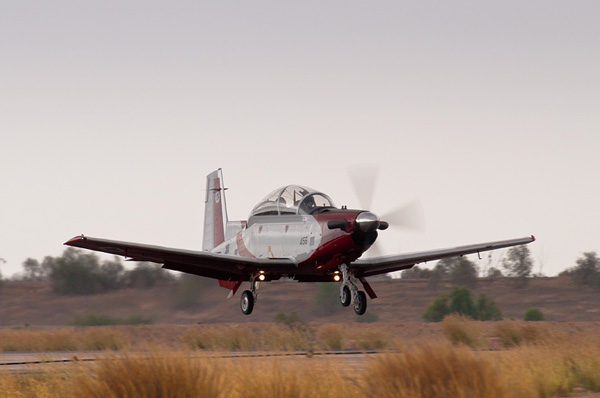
261	276
336	278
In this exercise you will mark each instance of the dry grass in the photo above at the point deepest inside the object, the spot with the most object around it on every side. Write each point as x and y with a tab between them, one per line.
158	373
434	370
292	378
63	339
46	385
463	330
515	333
554	368
234	338
543	364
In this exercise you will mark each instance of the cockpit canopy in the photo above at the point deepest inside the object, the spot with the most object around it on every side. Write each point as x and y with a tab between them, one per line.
292	199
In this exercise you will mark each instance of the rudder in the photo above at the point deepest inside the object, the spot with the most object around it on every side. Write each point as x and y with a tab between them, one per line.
215	211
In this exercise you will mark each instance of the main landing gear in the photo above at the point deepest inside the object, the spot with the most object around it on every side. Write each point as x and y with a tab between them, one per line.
349	293
249	297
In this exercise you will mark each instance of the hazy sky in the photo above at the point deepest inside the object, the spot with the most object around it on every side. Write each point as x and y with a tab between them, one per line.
113	112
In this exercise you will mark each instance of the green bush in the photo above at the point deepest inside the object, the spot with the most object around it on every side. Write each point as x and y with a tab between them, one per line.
533	314
460	302
487	310
437	310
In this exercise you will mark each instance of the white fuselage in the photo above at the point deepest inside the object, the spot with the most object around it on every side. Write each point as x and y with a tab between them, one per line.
289	236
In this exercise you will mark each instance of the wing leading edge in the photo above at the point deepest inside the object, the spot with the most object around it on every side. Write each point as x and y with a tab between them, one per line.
382	265
203	263
228	267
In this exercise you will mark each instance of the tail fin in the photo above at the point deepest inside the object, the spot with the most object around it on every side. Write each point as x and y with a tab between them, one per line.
215	211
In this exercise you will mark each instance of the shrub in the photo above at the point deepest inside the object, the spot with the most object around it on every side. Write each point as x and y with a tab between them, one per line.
437	310
533	314
487	310
460	302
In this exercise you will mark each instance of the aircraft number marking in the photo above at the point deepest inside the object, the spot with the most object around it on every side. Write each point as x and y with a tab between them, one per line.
217	197
304	240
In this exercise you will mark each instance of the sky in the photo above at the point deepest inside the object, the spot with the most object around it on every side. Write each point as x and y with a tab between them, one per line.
112	113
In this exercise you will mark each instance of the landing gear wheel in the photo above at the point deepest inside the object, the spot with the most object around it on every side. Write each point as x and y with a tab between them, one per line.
247	302
345	296
360	304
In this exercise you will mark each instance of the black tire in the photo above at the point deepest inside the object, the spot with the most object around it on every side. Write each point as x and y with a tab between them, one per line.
247	302
345	296
360	305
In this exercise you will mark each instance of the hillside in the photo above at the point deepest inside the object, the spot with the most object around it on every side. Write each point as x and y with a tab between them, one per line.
34	303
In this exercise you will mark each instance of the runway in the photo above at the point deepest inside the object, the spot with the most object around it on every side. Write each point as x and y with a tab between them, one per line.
30	362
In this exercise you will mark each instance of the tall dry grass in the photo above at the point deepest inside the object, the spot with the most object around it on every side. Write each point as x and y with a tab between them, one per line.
546	362
64	339
553	368
35	385
434	370
459	329
297	377
234	337
156	374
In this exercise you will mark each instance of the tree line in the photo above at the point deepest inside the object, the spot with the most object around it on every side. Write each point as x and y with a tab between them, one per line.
460	271
81	272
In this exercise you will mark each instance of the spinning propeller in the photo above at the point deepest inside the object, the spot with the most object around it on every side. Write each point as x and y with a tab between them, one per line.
410	215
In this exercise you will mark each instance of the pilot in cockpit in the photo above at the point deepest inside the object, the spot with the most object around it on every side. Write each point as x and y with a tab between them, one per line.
308	205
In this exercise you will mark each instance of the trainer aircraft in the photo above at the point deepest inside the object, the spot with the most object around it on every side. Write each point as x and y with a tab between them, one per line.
295	233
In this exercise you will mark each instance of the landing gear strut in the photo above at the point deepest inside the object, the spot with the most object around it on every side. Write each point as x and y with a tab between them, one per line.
349	293
249	297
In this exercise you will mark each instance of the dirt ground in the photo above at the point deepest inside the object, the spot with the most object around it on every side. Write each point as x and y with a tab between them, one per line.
399	301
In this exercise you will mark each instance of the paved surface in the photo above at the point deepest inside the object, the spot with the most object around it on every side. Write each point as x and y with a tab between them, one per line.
26	362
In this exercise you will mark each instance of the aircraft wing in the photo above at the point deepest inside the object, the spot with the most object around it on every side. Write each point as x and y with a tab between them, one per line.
382	265
203	263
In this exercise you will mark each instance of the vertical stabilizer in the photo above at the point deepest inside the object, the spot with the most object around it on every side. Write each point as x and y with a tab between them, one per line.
215	211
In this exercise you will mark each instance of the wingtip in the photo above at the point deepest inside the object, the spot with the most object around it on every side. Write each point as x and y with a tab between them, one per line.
72	241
